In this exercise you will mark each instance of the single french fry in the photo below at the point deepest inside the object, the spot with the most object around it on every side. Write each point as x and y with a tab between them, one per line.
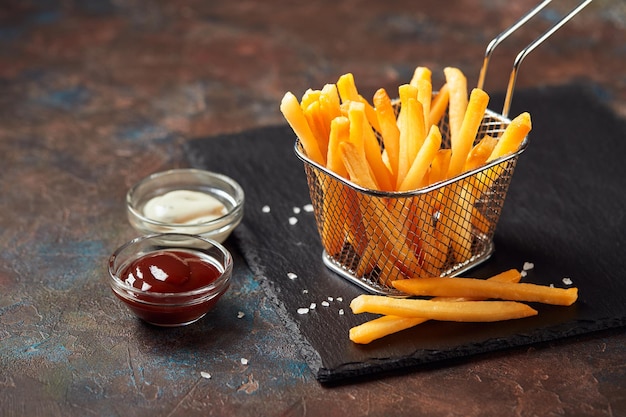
420	73
330	95
334	204
386	325
477	157
512	137
374	157
347	88
422	80
478	288
388	129
330	106
438	105
406	124
416	128
459	311
363	137
290	107
349	92
382	326
462	141
339	132
457	86
424	96
318	126
415	175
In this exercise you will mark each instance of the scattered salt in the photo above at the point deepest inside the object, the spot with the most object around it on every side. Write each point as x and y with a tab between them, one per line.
293	220
528	266
308	208
240	315
312	306
305	291
340	299
523	274
244	361
341	311
325	303
296	210
291	275
303	310
205	375
330	298
567	281
265	209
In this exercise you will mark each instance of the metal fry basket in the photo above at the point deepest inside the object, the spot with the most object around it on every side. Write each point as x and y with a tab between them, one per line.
372	237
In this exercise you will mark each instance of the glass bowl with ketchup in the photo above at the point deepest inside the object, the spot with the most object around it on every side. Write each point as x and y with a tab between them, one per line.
189	201
170	279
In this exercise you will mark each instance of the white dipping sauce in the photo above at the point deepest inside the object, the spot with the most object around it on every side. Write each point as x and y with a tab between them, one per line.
184	207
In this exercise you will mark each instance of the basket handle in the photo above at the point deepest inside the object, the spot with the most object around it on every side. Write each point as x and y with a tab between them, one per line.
524	52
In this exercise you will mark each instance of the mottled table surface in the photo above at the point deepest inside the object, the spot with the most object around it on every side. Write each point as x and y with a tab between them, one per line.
95	95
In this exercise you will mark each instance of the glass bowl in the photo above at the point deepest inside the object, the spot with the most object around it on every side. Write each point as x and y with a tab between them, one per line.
170	300
218	188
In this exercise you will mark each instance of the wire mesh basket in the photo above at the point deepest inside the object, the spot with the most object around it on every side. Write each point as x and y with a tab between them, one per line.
372	237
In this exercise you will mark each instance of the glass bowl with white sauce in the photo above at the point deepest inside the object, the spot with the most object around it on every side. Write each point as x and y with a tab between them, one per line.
189	201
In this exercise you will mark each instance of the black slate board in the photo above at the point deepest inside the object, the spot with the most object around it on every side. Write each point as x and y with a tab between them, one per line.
565	212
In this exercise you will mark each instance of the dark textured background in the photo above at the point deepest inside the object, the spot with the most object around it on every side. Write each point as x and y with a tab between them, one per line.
96	94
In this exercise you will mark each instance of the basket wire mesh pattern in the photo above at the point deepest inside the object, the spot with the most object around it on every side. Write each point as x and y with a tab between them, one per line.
372	237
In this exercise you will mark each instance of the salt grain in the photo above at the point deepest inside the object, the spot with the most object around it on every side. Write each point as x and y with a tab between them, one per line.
205	375
244	361
265	209
325	303
528	266
567	281
340	299
293	220
296	210
523	274
303	310
312	306
305	291
341	311
240	315
308	208
330	298
291	276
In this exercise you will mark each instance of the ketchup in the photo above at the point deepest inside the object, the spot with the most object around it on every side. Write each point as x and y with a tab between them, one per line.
170	271
164	279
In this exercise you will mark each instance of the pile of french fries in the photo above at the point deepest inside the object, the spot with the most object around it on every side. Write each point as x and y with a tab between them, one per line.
455	299
396	146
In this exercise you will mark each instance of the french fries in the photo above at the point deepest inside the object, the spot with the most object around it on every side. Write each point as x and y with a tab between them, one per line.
461	311
478	288
419	140
386	325
457	299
